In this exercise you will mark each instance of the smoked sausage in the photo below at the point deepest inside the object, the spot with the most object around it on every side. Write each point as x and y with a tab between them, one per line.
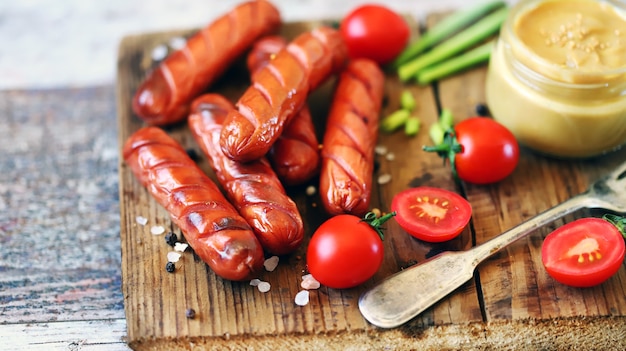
350	138
295	154
279	90
252	187
210	224
263	51
165	94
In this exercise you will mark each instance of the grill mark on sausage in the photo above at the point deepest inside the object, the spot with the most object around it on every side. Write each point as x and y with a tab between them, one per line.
253	188
225	38
349	140
211	225
268	105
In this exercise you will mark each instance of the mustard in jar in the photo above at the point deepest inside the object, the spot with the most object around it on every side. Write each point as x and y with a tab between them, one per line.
557	76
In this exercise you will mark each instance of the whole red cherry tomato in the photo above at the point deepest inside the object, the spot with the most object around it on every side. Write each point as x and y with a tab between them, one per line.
480	150
374	32
431	214
346	250
585	252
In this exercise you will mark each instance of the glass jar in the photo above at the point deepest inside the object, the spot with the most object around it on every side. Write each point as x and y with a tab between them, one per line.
561	108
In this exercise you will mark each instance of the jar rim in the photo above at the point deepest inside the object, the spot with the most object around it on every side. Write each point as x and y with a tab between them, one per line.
581	77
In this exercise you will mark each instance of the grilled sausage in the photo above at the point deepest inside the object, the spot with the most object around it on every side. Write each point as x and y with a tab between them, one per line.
350	138
263	51
165	94
211	225
253	187
279	90
295	154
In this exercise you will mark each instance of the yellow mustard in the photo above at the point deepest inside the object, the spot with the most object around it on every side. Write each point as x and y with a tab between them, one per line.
557	76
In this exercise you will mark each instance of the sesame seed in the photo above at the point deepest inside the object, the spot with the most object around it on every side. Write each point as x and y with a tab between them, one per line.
376	211
311	190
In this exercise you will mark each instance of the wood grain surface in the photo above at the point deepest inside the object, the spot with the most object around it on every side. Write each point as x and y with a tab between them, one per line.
510	290
59	220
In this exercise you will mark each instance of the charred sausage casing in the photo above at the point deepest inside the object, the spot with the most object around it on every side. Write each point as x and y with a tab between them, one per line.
295	155
350	138
165	94
211	225
252	187
278	92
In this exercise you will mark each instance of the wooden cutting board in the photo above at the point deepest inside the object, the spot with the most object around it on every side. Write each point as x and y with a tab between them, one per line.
510	303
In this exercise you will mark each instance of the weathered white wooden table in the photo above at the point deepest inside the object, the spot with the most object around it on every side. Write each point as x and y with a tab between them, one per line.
59	209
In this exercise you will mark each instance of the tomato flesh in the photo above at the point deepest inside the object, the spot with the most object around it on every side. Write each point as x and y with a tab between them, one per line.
583	253
344	252
431	214
374	32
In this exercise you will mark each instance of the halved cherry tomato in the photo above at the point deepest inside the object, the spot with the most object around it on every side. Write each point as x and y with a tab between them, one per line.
583	253
374	32
346	250
431	214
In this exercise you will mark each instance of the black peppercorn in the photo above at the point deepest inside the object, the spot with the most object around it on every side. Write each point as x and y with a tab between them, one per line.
170	267
376	166
171	238
190	313
193	154
482	110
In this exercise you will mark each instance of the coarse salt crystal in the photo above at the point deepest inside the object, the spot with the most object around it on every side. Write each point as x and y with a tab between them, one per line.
302	298
180	247
264	287
309	283
157	230
390	156
384	178
271	263
177	43
141	220
255	282
159	53
173	256
380	149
